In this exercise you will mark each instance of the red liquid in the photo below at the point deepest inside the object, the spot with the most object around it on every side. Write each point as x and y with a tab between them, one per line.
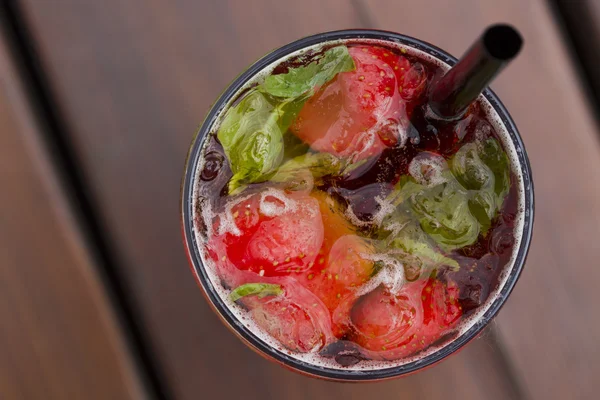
319	308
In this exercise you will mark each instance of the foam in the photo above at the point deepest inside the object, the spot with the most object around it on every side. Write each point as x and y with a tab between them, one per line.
272	209
354	219
243	320
391	275
207	216
226	221
386	207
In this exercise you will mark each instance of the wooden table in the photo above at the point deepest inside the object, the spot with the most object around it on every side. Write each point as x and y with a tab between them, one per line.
98	103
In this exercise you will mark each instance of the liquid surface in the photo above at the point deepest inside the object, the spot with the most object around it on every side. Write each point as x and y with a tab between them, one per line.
347	226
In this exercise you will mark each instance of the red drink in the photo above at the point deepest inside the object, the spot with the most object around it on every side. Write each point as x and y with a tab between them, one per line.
342	224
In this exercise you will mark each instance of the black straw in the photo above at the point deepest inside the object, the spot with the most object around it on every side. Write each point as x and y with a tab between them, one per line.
459	87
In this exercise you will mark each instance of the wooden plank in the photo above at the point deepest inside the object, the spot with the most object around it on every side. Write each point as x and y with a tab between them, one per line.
132	83
582	23
60	339
549	325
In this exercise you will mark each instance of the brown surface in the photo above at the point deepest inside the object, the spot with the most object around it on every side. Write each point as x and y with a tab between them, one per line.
59	338
134	81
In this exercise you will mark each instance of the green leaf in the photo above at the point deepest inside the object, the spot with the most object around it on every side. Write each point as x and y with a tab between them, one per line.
412	246
404	190
483	168
482	205
255	289
497	161
424	254
455	211
252	136
301	172
300	80
318	164
293	146
470	170
252	132
443	212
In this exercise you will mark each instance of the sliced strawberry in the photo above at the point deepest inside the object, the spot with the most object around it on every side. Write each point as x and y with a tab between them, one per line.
395	326
358	113
399	64
441	306
270	233
342	264
294	317
384	322
411	77
336	280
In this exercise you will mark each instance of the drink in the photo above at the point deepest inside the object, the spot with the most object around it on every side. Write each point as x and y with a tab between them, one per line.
337	225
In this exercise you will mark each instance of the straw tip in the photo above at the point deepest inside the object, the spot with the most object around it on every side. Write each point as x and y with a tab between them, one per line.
502	41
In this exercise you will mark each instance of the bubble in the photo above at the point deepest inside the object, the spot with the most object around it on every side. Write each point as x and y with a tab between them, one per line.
413	135
427	168
483	130
213	162
502	240
390	133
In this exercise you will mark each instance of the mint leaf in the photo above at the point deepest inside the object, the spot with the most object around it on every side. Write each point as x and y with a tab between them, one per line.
320	164
408	243
252	289
443	212
456	209
422	257
252	132
252	136
483	166
308	166
497	161
483	206
405	190
470	170
300	80
483	169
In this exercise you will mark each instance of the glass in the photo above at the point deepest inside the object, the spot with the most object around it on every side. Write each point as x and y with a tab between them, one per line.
193	252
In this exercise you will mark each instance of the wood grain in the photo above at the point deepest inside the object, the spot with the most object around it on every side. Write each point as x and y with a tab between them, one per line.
132	83
550	325
59	337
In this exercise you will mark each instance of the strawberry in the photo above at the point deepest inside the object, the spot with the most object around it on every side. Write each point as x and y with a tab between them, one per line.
357	114
391	326
360	113
342	264
288	312
270	233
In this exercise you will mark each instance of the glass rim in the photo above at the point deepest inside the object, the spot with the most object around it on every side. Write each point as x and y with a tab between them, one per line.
222	310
